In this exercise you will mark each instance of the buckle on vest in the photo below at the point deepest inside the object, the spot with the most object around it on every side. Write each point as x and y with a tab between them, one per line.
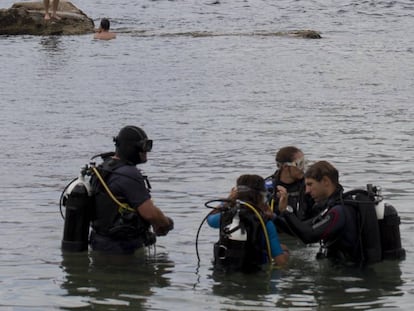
221	251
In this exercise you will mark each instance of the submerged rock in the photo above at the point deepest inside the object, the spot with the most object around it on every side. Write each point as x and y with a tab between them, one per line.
27	18
307	34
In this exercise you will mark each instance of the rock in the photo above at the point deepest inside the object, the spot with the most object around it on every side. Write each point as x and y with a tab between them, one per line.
308	34
27	18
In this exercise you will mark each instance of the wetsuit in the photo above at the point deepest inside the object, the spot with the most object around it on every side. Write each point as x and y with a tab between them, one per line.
336	227
302	203
115	231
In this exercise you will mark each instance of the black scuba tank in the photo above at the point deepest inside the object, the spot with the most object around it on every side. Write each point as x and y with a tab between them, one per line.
379	223
78	202
389	225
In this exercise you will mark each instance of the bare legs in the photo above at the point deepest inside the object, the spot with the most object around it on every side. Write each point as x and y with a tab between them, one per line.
55	5
46	5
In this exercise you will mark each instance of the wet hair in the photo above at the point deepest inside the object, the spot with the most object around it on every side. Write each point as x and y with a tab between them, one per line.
250	188
286	154
323	168
105	24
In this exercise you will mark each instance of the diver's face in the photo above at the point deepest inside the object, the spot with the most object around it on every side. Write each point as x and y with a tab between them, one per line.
318	190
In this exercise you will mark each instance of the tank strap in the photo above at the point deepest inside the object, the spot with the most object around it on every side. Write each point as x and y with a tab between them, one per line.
121	206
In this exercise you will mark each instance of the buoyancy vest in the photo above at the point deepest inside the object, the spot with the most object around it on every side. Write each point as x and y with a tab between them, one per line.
340	240
378	235
240	246
110	219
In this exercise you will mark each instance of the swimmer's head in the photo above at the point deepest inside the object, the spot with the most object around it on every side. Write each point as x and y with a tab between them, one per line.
105	24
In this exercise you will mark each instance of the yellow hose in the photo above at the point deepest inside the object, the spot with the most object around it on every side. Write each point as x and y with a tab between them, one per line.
122	206
269	252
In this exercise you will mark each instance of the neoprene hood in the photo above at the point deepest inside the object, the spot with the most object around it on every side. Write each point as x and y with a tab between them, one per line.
130	142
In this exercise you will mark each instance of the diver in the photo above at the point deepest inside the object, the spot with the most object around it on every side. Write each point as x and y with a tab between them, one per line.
248	238
289	177
124	211
336	227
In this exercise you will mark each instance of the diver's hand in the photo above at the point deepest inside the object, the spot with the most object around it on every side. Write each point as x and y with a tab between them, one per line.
283	198
163	230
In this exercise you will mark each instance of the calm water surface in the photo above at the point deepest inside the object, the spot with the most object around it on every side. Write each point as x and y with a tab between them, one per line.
218	99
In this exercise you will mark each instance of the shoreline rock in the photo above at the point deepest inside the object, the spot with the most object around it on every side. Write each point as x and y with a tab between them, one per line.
27	18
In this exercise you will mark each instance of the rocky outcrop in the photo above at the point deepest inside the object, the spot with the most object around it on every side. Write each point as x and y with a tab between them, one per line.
27	18
307	34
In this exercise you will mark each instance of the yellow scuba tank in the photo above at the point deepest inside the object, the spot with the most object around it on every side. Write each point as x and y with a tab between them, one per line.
78	201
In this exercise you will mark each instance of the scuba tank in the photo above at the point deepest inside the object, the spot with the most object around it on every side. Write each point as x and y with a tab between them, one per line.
235	231
389	225
379	224
231	249
78	200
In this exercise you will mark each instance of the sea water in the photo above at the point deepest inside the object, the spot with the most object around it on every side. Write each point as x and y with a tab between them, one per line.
219	91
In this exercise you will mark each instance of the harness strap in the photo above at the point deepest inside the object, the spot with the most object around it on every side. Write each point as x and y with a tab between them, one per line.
122	206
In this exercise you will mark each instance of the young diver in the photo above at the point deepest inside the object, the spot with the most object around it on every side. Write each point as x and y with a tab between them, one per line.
242	244
289	177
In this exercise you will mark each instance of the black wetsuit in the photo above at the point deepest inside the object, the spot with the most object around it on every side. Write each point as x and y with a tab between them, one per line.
302	203
336	227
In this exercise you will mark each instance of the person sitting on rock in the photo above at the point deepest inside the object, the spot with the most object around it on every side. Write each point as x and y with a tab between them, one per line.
103	32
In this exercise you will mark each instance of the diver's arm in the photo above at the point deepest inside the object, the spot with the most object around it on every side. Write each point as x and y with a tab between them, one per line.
317	228
280	253
161	223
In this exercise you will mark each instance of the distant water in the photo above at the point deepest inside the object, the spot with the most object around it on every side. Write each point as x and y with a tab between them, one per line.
217	106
